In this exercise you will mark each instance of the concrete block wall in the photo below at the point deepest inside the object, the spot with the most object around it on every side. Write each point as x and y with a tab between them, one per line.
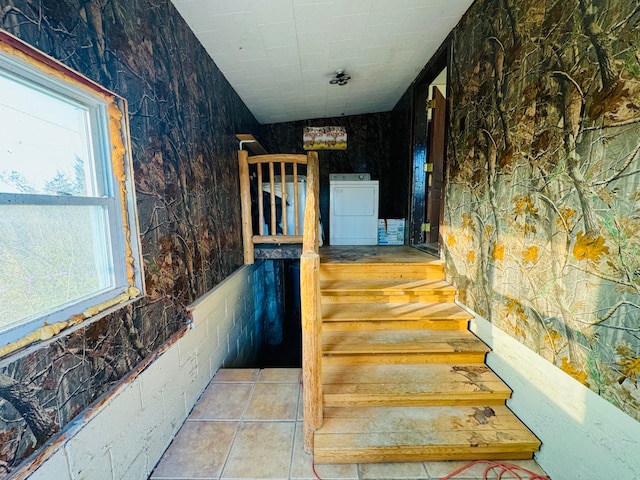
125	437
583	436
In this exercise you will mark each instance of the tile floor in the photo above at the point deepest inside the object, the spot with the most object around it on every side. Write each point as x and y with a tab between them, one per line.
248	424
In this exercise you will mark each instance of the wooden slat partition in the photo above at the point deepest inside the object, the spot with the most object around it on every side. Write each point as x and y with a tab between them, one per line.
285	163
310	306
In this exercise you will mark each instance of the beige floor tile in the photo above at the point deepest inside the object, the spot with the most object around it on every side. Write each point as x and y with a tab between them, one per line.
279	375
301	405
273	401
392	470
222	401
198	451
261	450
301	464
236	375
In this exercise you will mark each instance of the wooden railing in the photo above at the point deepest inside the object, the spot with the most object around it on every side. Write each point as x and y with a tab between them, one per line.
309	260
310	307
262	170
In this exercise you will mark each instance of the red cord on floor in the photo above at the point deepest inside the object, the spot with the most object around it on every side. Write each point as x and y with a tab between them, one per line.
501	469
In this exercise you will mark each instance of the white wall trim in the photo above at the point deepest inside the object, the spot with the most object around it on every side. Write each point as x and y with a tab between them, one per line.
583	436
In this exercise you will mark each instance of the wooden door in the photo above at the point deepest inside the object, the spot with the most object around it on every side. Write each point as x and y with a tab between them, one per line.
435	169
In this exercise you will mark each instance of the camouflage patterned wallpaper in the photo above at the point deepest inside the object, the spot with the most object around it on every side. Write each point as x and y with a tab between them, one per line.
542	228
183	117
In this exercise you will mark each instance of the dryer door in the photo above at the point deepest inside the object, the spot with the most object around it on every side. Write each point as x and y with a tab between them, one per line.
353	218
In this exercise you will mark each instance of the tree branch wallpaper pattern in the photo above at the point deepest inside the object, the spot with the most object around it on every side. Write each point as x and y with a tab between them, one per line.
542	232
183	117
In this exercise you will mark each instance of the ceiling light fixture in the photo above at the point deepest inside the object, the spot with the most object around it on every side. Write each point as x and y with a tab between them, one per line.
341	78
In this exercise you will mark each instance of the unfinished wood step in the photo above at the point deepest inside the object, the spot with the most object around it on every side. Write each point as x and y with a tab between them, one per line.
390	316
432	269
410	385
403	434
401	346
385	290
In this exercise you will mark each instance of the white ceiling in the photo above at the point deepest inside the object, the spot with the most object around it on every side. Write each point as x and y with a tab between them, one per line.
279	55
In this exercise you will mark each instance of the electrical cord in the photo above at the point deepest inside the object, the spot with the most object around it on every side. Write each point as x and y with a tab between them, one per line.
502	469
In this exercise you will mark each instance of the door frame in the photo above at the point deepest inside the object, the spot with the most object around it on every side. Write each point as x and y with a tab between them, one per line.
419	140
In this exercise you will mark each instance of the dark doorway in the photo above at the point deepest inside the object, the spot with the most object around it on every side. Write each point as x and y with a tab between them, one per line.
435	165
429	152
282	346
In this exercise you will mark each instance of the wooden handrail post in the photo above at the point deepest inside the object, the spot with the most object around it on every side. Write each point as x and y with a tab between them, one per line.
310	307
311	347
245	206
312	205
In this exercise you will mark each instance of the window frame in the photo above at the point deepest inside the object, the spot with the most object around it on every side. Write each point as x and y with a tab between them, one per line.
111	160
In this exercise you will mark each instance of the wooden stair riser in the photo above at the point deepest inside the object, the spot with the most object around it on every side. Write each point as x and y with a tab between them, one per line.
382	271
451	452
377	290
403	358
355	325
378	298
401	346
394	316
406	385
484	398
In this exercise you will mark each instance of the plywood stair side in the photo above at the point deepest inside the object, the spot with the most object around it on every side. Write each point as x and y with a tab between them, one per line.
403	378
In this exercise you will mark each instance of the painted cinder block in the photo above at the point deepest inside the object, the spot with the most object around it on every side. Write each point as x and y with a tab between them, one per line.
156	431
198	379
196	337
114	445
212	301
137	470
213	320
88	463
217	358
161	372
56	463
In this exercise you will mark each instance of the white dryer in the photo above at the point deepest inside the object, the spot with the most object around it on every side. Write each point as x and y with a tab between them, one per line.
353	209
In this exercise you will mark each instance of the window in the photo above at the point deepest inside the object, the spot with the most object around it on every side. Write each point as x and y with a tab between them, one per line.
68	242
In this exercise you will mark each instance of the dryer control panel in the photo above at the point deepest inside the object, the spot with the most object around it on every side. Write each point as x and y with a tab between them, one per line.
349	177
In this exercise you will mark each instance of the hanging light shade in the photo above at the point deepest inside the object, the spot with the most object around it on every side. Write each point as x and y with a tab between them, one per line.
340	78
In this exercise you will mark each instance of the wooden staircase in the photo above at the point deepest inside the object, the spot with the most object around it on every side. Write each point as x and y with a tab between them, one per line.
403	379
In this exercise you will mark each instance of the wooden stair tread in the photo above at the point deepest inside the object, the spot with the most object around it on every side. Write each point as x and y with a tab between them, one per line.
380	341
375	434
430	384
391	254
382	271
385	287
394	311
